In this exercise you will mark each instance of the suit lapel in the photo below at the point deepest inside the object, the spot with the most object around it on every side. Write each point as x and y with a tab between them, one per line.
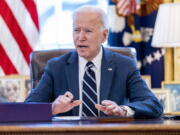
107	72
73	77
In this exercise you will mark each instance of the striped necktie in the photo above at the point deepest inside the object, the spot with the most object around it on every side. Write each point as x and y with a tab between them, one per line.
89	92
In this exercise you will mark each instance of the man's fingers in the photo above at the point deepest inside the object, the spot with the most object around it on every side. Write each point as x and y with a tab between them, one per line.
103	109
76	103
111	107
107	102
116	111
69	95
63	99
66	100
100	107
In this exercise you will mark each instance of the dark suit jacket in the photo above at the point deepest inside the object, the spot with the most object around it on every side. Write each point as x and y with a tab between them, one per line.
122	84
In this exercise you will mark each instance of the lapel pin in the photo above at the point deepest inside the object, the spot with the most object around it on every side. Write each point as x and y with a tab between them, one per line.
109	69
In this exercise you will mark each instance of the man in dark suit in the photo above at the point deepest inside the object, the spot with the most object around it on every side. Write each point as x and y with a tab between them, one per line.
120	90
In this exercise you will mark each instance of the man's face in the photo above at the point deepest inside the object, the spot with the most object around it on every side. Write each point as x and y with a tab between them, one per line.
11	91
88	35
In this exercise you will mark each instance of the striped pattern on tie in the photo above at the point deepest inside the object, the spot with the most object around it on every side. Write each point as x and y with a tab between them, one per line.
89	92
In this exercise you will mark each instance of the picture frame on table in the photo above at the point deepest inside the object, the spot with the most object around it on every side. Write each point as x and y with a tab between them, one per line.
147	79
27	85
12	88
174	90
163	95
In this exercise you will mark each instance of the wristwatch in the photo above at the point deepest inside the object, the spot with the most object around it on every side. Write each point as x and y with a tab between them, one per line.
124	109
128	110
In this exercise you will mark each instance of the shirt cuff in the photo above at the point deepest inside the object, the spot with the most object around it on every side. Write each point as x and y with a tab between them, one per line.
130	112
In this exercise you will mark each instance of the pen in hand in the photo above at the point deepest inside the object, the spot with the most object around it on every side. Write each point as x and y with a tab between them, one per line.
64	103
69	95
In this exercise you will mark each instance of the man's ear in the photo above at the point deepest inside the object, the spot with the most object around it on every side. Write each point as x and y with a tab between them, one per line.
105	35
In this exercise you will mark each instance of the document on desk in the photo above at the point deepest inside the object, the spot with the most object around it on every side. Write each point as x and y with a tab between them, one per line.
98	119
65	118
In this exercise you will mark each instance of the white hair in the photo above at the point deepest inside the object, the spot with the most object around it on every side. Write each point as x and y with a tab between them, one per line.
88	8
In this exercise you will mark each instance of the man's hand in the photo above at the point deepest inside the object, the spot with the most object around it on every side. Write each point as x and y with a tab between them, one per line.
111	108
64	103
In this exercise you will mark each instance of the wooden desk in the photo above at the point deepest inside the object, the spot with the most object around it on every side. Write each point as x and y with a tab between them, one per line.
137	127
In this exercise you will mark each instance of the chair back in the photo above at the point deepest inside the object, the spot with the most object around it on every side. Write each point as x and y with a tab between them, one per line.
38	60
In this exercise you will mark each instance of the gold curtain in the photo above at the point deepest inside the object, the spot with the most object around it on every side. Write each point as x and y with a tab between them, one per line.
169	60
172	55
177	60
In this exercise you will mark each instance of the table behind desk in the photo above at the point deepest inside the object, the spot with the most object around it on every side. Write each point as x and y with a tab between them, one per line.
89	127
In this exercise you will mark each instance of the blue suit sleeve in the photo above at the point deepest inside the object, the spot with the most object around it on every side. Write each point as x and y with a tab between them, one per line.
142	100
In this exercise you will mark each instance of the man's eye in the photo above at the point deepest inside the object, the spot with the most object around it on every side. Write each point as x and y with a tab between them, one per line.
88	31
76	30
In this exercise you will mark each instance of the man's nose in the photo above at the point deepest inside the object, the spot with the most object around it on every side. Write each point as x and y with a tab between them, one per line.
81	36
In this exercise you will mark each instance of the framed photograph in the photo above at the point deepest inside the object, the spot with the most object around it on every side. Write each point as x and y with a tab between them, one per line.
147	79
174	89
11	89
27	86
163	96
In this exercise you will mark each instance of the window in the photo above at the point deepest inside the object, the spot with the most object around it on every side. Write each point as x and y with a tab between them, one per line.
56	22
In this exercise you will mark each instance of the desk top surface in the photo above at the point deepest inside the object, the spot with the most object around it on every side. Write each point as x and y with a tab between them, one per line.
92	125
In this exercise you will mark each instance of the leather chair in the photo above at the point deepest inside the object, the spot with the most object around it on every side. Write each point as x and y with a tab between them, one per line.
38	60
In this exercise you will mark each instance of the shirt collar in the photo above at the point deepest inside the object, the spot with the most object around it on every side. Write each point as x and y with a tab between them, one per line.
96	61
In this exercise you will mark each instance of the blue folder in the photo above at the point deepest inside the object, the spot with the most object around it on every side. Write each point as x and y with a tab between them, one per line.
25	112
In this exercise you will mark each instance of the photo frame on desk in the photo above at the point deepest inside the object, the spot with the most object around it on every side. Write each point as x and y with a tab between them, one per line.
147	79
174	90
11	88
27	85
163	96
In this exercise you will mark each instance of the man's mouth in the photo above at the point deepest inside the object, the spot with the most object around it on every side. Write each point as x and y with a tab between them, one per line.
82	46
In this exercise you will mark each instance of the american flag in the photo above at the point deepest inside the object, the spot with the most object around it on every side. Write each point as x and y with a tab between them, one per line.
125	7
19	33
131	25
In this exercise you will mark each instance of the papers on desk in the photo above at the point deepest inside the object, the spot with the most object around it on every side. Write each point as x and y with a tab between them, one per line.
64	118
70	118
97	119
